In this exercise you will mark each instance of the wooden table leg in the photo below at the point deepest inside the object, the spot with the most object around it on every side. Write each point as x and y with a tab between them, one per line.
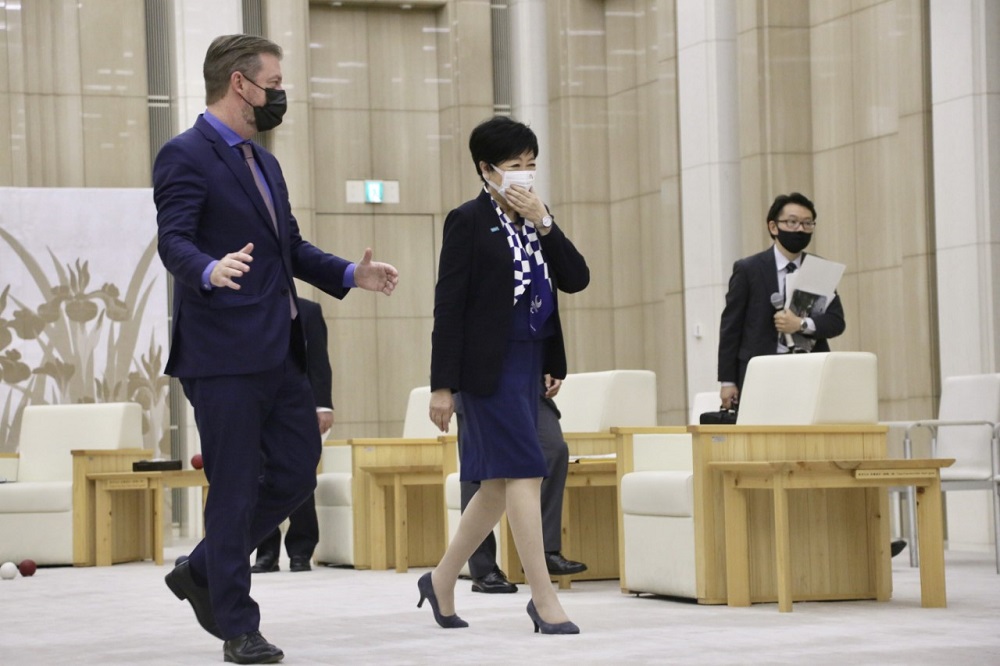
737	543
102	523
931	545
402	552
782	545
376	519
157	521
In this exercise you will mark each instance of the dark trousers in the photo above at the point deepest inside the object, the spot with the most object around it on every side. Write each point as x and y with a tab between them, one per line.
260	443
300	538
556	453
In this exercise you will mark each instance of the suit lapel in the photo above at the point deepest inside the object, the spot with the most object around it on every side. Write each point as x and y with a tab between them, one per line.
240	171
770	268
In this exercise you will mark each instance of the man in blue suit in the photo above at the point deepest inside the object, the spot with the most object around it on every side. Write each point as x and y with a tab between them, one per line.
228	237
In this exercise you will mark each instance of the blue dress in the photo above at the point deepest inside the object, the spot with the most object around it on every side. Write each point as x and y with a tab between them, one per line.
500	431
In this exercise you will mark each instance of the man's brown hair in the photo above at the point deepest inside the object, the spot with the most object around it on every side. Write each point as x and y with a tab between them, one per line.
233	53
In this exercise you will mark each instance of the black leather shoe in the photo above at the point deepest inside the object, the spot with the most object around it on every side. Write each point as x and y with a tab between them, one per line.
896	547
251	648
299	563
560	566
495	582
181	583
265	564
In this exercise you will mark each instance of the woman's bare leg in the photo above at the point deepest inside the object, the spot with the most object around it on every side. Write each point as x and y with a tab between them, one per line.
478	519
524	513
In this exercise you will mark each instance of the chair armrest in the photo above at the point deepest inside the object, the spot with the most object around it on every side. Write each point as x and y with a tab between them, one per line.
897	424
933	424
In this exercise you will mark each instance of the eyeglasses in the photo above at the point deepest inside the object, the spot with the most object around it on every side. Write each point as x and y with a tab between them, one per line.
793	223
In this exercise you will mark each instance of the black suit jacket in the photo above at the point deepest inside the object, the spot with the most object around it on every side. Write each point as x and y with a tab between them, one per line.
747	328
473	300
317	356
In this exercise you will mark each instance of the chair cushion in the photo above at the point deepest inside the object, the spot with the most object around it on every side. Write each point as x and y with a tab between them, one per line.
336	458
658	493
826	387
598	401
36	497
333	489
453	491
661	452
417	424
50	432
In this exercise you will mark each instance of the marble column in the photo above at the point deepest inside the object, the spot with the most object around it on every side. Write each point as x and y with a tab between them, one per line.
965	82
710	174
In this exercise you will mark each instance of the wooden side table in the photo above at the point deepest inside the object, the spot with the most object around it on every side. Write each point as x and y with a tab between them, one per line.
151	483
781	476
399	478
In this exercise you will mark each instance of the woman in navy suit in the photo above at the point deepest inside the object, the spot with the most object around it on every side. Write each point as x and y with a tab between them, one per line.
496	330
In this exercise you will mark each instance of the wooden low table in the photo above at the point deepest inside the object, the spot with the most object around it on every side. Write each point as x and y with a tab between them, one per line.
782	476
397	477
151	482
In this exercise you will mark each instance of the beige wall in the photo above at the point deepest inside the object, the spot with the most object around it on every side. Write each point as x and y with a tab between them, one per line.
613	120
393	96
834	102
73	85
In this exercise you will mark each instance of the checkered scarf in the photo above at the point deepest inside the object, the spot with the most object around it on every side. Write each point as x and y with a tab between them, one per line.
530	270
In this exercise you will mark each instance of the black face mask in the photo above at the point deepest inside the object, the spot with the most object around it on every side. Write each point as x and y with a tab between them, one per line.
794	241
268	117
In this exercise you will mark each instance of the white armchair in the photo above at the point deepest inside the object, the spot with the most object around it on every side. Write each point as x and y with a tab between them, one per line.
968	430
657	503
657	506
334	506
44	505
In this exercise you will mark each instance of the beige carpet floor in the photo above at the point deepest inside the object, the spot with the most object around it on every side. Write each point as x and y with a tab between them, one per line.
125	615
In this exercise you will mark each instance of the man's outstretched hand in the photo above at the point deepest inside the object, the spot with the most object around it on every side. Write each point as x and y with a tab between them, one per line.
375	275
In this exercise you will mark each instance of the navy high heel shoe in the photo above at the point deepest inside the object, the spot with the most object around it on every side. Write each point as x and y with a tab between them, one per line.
426	589
547	627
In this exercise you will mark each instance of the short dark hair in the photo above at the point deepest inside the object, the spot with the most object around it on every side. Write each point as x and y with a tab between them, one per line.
233	53
783	200
499	139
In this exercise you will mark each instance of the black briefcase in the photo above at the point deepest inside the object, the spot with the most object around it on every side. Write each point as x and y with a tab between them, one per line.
719	417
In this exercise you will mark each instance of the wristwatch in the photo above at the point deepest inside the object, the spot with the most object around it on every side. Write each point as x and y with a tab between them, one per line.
547	221
804	326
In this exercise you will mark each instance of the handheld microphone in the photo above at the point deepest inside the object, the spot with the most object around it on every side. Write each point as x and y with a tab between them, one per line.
778	302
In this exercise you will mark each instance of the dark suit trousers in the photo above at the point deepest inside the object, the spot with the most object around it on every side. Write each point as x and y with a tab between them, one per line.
300	538
556	454
260	443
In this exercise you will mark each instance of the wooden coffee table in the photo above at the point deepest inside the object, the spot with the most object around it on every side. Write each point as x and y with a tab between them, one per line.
152	484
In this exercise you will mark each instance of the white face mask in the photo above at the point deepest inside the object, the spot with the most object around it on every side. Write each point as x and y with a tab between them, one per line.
523	178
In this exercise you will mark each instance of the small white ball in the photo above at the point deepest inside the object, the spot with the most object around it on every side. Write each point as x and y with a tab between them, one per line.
8	570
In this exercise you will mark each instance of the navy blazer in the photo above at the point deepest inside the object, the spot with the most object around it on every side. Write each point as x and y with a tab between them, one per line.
208	206
473	299
747	328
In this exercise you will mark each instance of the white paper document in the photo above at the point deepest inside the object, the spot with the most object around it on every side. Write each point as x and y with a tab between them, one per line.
809	289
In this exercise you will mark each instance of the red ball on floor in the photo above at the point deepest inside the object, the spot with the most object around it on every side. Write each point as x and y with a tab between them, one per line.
27	568
196	461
